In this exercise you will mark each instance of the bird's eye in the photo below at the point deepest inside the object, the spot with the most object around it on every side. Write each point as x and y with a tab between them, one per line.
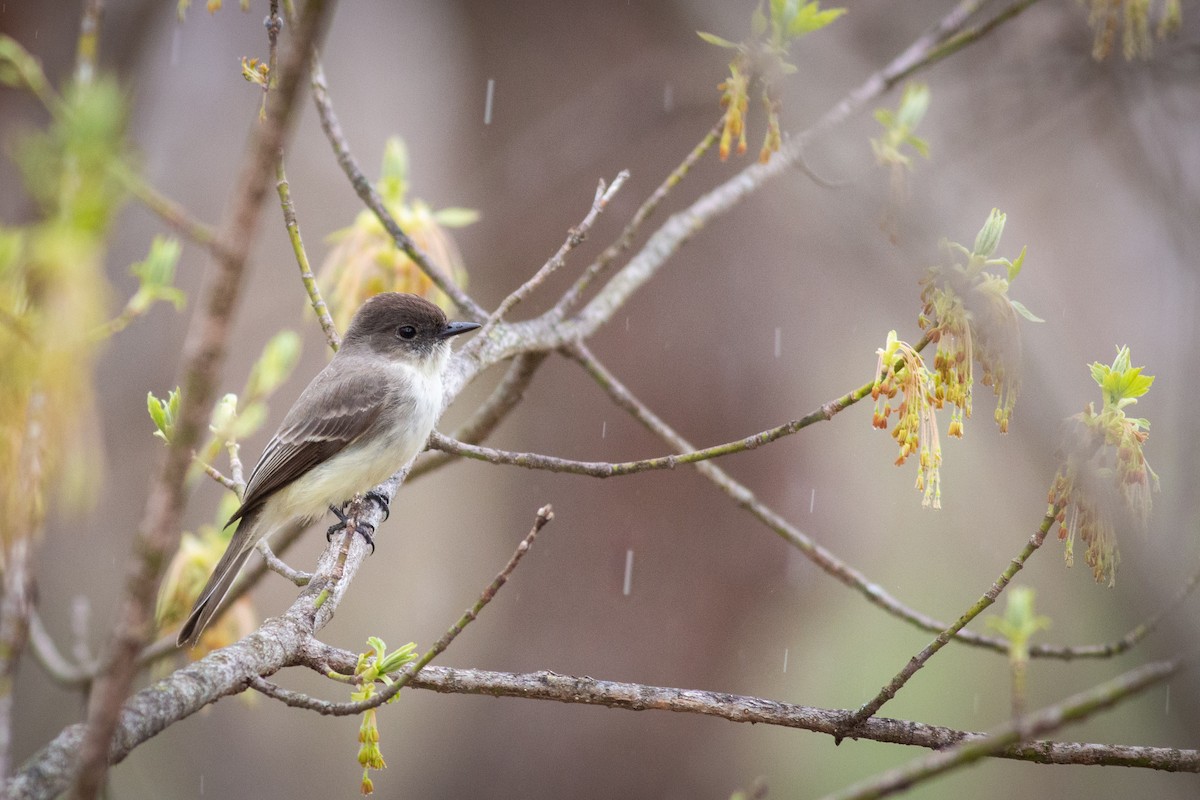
406	331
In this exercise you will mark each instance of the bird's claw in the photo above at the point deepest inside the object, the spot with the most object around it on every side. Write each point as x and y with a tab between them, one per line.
383	501
363	529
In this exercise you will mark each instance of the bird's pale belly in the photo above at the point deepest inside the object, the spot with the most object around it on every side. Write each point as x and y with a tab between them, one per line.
356	469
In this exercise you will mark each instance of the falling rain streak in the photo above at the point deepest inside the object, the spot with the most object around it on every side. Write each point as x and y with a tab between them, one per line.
785	655
668	98
603	429
778	341
628	572
487	103
812	501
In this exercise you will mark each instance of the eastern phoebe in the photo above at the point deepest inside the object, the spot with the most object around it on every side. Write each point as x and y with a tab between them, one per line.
364	416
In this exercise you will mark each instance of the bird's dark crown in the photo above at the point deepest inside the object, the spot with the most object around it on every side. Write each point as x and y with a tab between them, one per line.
393	321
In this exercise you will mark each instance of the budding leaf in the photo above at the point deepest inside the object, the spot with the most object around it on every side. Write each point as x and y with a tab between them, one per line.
1020	308
712	38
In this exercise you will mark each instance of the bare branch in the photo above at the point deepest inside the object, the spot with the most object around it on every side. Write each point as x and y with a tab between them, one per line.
825	559
571	297
370	197
920	659
48	656
276	565
205	351
574	238
298	700
306	274
589	691
1048	720
491	413
605	469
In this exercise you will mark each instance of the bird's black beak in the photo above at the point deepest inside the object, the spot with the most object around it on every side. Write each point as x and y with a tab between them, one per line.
455	328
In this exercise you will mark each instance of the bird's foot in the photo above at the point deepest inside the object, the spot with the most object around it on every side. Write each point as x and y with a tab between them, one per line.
363	529
384	503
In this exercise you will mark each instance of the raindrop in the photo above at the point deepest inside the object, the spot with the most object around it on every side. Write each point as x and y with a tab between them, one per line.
778	341
627	324
603	429
628	571
785	655
487	104
1167	707
176	38
668	98
812	500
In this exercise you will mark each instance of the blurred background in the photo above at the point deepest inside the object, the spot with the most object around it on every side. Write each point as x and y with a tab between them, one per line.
772	310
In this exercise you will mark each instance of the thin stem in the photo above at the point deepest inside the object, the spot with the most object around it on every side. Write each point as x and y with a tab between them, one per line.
961	39
205	350
572	295
825	559
604	469
88	45
490	414
171	212
277	565
574	238
306	274
370	197
920	659
1010	735
298	700
60	669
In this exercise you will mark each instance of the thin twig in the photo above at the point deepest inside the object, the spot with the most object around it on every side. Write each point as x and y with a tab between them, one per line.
572	295
605	469
370	197
279	567
826	560
171	212
219	477
1008	736
306	274
920	659
574	238
952	44
503	399
60	669
16	606
204	353
405	676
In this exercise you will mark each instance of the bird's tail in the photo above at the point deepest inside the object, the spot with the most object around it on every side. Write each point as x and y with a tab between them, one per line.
218	585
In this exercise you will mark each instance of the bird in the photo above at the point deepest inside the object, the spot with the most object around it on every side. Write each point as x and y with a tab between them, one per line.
360	420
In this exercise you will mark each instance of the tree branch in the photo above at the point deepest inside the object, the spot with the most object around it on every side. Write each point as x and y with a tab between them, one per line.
1008	737
920	659
491	413
825	559
574	238
204	351
299	700
366	192
756	710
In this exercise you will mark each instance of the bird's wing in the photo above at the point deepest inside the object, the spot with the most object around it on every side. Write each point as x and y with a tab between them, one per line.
307	437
